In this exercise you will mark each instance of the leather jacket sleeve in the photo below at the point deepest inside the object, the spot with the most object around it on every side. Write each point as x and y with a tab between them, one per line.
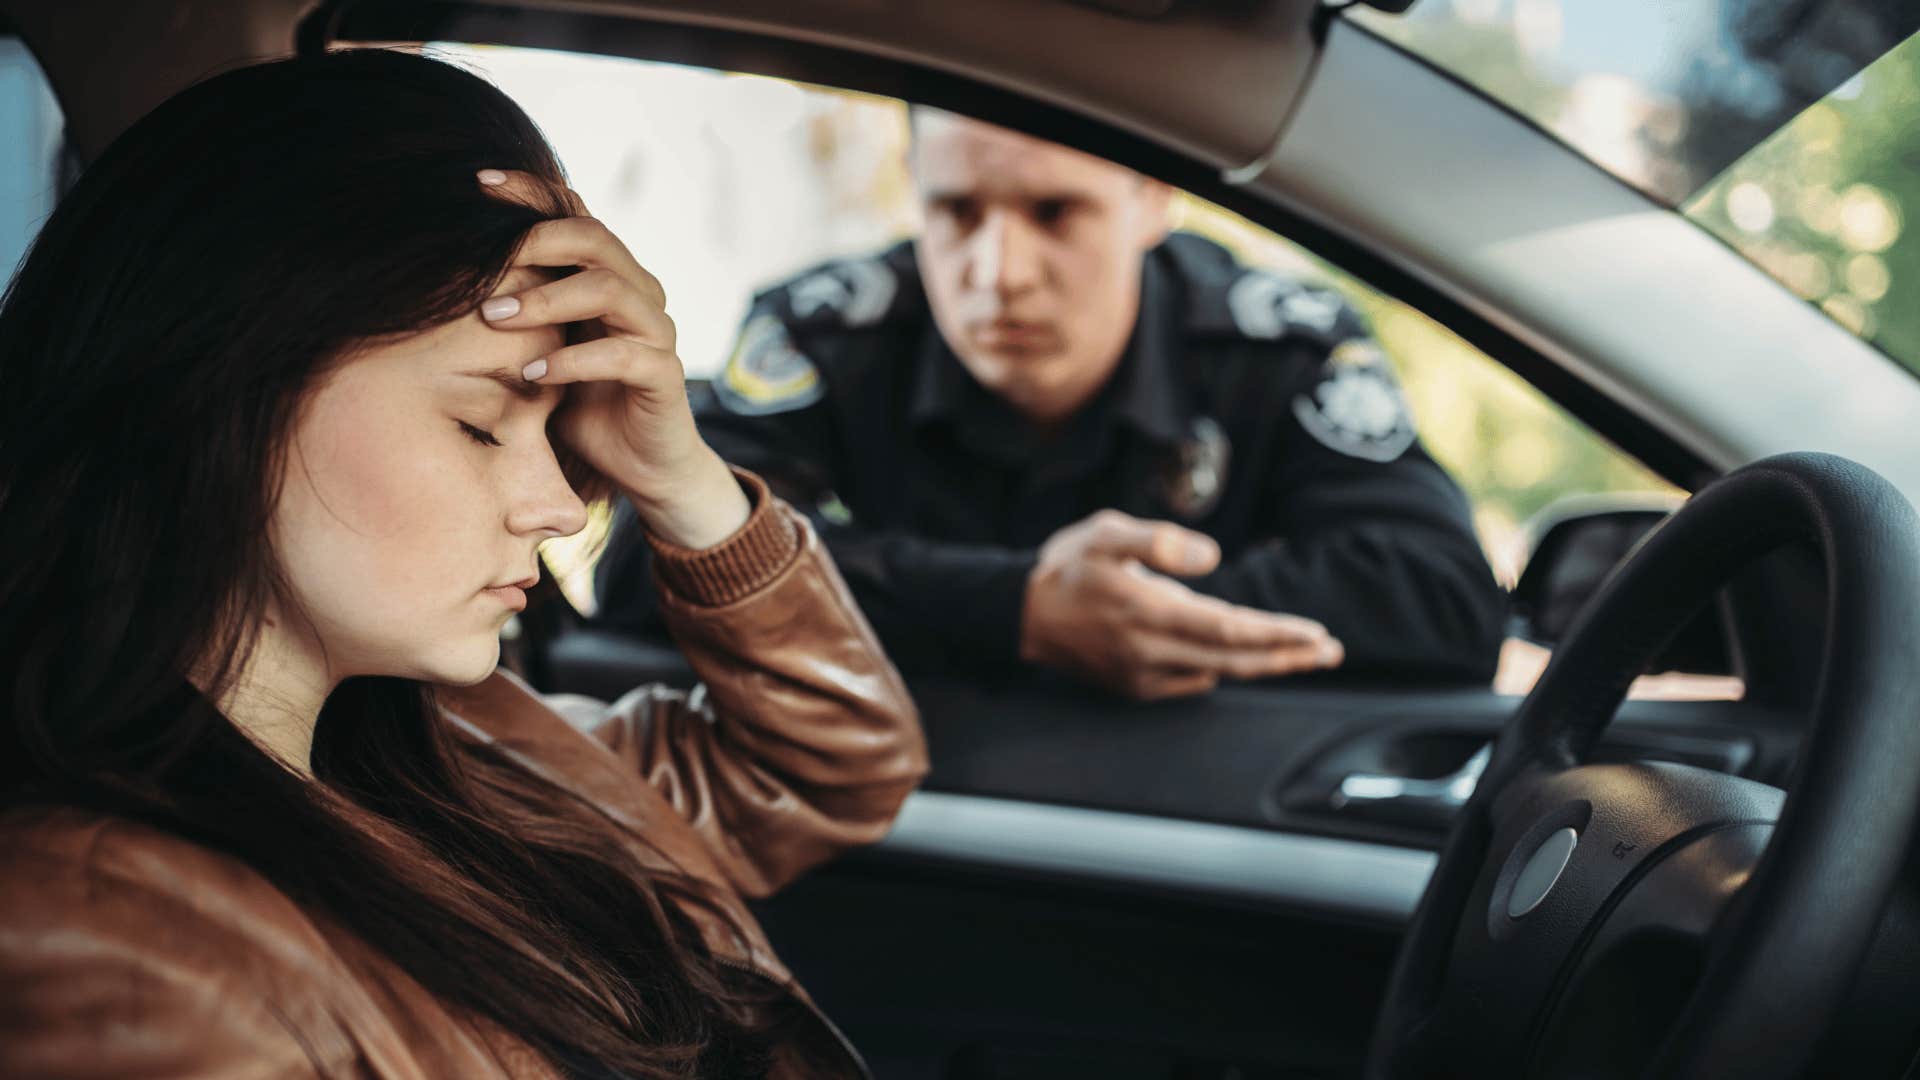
801	740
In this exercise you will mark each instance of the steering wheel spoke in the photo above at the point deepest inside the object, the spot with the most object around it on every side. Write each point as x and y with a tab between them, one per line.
1621	1000
1569	851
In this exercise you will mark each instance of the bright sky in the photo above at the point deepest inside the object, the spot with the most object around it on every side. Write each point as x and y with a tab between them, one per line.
721	184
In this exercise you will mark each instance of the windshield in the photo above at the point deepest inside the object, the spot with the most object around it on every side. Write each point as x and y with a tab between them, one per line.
1788	128
1662	93
1828	204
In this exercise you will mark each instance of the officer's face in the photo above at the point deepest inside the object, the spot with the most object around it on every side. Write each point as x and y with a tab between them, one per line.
1031	257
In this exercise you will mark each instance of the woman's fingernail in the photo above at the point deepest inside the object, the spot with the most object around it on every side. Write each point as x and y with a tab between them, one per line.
492	177
532	372
500	307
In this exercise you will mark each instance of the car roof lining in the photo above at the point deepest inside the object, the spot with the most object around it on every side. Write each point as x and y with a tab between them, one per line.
1217	75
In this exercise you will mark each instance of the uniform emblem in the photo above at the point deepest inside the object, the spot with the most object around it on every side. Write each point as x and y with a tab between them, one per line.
767	374
1356	408
1196	477
1315	309
1263	305
859	292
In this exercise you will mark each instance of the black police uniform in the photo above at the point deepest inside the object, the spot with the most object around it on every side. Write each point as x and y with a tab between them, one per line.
1247	406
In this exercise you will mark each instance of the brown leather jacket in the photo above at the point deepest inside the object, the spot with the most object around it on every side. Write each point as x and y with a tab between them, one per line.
125	951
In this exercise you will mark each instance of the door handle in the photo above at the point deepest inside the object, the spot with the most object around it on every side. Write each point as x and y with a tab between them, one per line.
1448	792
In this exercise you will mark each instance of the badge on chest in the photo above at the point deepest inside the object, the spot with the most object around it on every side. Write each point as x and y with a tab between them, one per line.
1195	475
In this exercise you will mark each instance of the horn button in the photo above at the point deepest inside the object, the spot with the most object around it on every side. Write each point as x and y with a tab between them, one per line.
1566	848
1541	871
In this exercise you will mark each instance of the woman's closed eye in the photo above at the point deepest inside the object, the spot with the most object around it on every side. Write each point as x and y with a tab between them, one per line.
479	435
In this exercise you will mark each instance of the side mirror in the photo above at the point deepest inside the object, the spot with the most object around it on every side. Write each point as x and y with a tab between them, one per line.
1576	543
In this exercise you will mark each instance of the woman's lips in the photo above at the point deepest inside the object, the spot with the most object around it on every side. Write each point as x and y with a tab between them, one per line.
511	595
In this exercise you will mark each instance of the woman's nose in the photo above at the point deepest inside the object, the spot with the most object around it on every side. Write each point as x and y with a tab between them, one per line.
548	505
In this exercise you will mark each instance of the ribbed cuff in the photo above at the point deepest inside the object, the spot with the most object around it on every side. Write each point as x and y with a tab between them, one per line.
737	566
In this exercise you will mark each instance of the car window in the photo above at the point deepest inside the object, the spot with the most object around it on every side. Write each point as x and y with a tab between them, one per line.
726	183
29	170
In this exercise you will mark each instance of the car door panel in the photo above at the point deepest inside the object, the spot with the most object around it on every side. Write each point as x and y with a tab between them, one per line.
1090	887
1263	756
959	972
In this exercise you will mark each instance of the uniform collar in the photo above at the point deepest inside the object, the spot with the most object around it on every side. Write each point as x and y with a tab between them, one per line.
1151	393
946	395
942	388
1145	391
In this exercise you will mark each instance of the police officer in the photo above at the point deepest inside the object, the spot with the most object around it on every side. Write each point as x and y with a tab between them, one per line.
1050	432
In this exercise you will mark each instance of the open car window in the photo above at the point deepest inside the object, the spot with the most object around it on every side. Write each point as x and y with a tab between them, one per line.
725	183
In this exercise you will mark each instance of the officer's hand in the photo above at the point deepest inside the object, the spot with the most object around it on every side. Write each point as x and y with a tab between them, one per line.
1099	605
626	410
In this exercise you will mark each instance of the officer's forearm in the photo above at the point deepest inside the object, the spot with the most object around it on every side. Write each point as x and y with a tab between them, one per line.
1406	603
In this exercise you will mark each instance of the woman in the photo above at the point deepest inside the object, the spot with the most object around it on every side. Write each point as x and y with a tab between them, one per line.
297	378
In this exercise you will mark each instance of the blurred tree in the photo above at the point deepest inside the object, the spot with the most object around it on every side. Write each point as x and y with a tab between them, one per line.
1824	203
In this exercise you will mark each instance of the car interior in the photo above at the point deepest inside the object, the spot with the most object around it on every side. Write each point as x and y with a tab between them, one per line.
1321	876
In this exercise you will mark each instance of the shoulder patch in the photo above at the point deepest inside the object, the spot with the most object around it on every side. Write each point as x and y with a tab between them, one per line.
856	293
767	373
1265	306
1356	408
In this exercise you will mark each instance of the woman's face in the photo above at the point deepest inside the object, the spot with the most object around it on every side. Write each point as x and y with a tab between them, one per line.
400	521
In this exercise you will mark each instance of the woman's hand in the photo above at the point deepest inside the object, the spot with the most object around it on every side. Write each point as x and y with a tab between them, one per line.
628	416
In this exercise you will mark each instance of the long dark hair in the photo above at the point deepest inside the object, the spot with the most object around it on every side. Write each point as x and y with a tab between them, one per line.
154	349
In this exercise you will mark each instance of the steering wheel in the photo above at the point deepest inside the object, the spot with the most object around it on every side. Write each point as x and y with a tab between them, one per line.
1662	920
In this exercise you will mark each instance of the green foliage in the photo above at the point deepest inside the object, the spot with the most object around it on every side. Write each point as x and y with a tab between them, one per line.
1824	203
